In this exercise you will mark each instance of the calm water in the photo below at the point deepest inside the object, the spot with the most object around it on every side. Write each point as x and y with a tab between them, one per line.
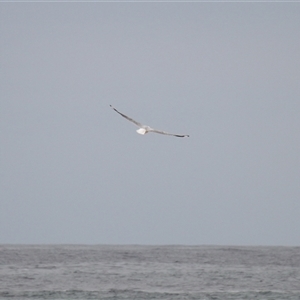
149	272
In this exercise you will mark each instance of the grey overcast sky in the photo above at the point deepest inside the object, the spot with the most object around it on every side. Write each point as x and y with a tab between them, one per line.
74	171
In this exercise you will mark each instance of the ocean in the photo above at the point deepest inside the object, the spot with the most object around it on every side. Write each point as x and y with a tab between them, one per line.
149	272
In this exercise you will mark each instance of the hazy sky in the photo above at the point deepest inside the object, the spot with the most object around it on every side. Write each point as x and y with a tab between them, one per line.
74	171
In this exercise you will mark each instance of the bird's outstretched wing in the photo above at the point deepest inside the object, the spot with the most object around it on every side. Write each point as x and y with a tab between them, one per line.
167	133
126	117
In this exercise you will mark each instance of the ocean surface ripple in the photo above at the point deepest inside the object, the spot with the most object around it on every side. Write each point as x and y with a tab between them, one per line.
149	272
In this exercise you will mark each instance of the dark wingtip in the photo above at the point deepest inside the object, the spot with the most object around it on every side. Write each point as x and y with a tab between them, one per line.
182	136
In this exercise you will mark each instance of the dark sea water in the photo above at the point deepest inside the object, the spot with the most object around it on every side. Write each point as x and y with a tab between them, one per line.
149	272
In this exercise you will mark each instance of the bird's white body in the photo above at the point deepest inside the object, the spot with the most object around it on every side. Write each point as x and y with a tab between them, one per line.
142	131
145	129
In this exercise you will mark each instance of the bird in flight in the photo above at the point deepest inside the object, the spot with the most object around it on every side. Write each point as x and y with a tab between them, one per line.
144	128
